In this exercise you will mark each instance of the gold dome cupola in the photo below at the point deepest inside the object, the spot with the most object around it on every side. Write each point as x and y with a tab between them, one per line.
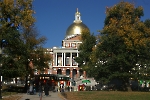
76	27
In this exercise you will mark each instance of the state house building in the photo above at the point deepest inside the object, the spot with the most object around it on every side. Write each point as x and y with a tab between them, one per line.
63	62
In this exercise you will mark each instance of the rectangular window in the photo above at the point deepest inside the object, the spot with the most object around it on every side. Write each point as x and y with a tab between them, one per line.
73	45
67	61
74	62
59	61
67	45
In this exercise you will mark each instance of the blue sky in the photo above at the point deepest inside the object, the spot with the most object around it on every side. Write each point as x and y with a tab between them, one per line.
53	17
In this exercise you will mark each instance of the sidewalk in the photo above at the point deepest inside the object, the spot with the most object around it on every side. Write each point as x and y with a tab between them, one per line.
52	96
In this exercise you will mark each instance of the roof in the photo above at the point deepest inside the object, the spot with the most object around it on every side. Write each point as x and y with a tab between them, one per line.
75	29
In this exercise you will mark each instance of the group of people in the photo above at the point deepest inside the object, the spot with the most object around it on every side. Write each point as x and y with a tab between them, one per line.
44	88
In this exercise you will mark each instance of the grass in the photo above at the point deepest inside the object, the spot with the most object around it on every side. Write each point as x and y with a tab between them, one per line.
106	95
9	95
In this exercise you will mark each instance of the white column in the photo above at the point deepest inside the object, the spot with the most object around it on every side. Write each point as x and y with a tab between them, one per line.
58	85
62	56
78	73
56	58
70	45
64	84
77	56
76	44
70	58
64	59
70	83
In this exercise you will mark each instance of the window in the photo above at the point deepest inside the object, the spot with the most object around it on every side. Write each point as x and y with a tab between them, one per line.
67	45
74	63
59	61
73	44
67	61
77	17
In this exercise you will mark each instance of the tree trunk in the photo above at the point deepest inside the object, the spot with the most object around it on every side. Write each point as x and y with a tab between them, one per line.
26	80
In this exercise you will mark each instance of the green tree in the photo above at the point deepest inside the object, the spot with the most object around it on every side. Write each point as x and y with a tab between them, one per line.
14	46
34	52
17	28
123	42
147	23
85	50
14	15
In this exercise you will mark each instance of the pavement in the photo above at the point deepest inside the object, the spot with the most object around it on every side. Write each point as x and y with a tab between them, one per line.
52	96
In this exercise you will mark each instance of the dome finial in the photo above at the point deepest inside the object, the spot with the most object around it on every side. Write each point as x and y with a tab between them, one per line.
77	17
77	9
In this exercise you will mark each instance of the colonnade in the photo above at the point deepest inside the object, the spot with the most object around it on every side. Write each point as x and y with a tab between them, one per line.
64	59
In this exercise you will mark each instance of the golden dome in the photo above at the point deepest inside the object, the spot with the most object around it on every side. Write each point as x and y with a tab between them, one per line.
77	26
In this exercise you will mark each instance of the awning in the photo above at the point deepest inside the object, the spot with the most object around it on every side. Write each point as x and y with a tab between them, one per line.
86	81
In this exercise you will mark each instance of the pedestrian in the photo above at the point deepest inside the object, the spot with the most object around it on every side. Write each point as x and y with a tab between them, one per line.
31	89
68	88
40	90
46	89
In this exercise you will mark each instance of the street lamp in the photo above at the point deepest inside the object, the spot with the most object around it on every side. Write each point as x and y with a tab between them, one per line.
0	81
3	43
0	73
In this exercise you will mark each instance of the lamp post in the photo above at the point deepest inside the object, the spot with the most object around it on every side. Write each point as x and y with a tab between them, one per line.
0	81
0	73
3	43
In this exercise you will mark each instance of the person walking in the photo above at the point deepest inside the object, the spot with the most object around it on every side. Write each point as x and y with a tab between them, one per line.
40	90
46	89
31	89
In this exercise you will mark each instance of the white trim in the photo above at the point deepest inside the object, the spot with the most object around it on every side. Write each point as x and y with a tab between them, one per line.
71	58
56	59
66	66
62	57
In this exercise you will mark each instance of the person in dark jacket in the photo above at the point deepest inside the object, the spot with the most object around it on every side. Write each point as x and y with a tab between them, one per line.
46	89
40	90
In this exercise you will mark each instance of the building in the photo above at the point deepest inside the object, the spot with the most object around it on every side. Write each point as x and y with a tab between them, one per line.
63	62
